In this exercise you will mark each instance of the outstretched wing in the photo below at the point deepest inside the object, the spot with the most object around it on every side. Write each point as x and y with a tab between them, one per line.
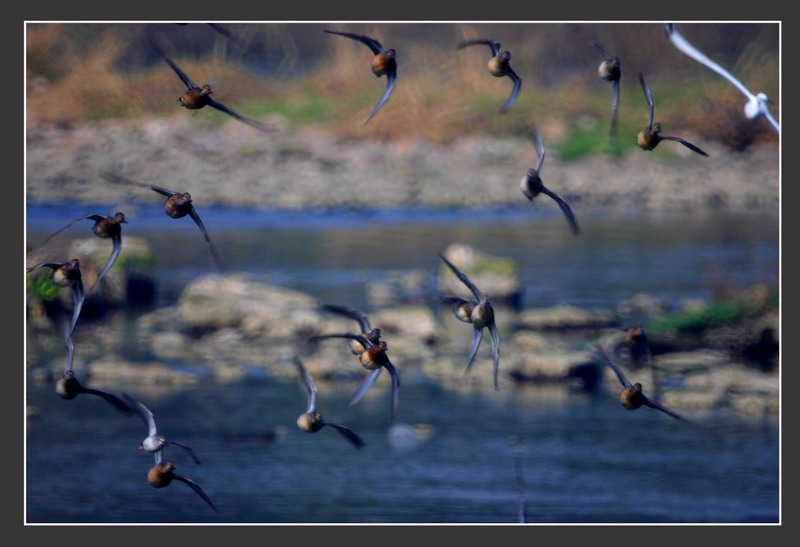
187	449
391	77
687	48
347	433
464	279
252	123
537	140
144	412
514	90
91	216
113	177
194	486
495	351
565	208
477	336
649	100
308	381
116	242
687	144
494	46
622	379
361	317
665	410
214	253
365	385
395	386
374	45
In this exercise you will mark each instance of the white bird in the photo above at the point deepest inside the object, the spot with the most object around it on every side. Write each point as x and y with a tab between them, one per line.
756	104
154	442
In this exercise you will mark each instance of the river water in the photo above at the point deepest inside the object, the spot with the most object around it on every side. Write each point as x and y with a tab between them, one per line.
586	459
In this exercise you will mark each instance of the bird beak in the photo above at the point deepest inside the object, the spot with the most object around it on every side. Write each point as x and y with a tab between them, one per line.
141	448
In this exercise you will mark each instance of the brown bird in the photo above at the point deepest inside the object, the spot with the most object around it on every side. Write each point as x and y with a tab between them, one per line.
383	64
480	314
68	387
106	227
67	274
632	396
196	97
609	70
499	66
649	137
311	420
177	205
162	474
532	186
374	359
371	334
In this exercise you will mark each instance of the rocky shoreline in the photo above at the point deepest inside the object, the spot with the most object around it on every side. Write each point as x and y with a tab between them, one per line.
308	168
224	328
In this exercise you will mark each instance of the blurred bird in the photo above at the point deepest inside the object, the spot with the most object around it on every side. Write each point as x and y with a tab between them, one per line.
67	274
532	185
383	64
756	105
196	97
649	137
68	386
499	66
106	227
311	420
632	396
480	314
162	474
374	359
154	443
373	335
177	205
609	70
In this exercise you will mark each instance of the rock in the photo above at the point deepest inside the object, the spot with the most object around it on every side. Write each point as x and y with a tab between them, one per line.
565	317
643	305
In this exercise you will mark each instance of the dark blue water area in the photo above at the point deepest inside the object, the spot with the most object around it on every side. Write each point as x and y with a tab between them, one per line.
585	459
334	254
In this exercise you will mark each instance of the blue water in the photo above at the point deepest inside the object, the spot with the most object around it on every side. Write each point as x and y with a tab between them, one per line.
333	254
586	459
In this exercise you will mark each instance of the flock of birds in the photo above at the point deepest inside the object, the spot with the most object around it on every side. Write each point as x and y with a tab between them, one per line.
366	344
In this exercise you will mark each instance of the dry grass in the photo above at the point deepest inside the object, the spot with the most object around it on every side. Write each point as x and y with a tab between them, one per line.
88	72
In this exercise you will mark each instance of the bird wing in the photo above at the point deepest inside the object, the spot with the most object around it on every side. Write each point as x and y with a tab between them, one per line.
194	486
144	412
252	123
347	433
658	406
113	177
308	382
358	337
687	144
514	90
116	242
681	43
77	304
374	45
537	140
187	449
464	279
118	403
214	253
91	216
565	208
395	386
648	98
477	336
495	351
622	379
601	49
391	78
361	317
365	385
614	107
495	46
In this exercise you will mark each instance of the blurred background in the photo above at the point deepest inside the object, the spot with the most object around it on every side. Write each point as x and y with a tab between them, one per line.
327	210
